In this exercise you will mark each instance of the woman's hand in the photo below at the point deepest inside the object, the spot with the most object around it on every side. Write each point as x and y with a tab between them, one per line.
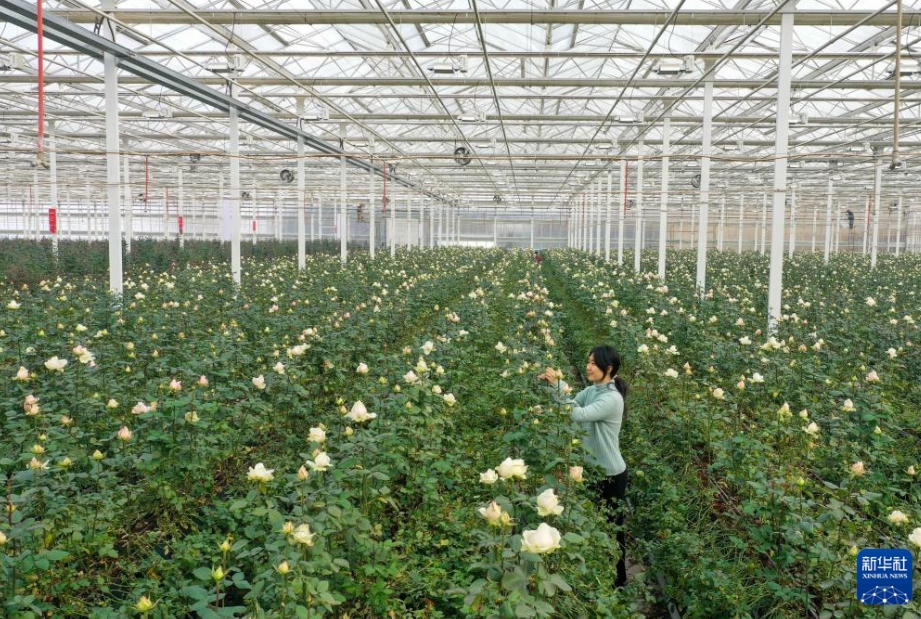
550	375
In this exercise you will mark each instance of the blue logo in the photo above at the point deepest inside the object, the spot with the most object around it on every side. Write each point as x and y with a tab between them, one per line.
884	576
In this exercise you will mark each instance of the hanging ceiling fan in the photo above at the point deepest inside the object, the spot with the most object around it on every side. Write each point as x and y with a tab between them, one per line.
462	156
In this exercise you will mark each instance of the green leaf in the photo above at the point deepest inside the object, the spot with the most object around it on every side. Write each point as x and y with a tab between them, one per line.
514	580
573	538
56	555
196	593
523	610
560	583
202	573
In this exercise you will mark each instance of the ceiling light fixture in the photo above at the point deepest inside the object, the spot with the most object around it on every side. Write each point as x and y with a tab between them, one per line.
675	66
450	67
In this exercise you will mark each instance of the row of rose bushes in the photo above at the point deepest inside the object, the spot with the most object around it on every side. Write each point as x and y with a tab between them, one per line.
772	459
189	448
311	445
28	262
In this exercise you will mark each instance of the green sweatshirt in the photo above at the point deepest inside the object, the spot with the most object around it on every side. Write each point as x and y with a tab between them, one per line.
600	410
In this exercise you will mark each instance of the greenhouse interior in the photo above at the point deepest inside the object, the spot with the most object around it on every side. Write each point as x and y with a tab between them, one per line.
478	309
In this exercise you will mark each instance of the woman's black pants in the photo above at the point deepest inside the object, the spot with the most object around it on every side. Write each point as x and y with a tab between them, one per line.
613	490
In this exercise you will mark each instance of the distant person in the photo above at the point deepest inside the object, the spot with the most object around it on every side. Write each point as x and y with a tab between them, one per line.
601	409
538	258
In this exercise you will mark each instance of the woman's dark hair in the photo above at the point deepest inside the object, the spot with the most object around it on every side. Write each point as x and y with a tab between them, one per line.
607	359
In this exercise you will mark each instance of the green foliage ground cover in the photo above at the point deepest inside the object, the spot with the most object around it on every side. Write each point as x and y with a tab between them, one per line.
132	483
761	464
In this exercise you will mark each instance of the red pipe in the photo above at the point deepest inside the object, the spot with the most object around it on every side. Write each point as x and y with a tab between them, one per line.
39	31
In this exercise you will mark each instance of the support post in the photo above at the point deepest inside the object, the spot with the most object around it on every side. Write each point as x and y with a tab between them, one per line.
775	285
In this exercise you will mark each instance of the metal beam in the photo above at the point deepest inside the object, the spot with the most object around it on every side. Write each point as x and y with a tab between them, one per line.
824	18
409	118
24	15
146	74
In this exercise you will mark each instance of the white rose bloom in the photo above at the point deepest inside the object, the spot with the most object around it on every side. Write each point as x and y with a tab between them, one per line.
410	377
872	376
492	513
302	535
259	382
489	477
56	365
915	537
279	368
449	399
428	347
745	341
892	353
512	468
501	347
870	301
260	473
140	408
317	435
897	517
757	378
360	414
812	429
321	462
545	539
13	305
671	373
361	369
22	374
548	504
436	390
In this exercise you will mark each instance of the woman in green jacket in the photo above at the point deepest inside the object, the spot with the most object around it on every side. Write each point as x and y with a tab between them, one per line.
601	409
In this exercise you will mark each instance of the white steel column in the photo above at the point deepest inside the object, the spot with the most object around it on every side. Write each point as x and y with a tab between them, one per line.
596	229
409	221
343	207
638	218
775	285
607	221
129	198
302	207
741	219
866	224
319	198
763	222
721	228
393	222
877	211
838	229
180	206
828	228
441	220
432	206
703	215
371	209
898	227
421	232
621	211
791	247
495	231
343	214
235	190
663	197
53	197
815	218
112	175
